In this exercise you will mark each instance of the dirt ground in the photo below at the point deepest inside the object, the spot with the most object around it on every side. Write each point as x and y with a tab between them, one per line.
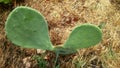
62	16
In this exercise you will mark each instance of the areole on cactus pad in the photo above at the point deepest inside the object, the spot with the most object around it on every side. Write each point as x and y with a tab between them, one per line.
26	27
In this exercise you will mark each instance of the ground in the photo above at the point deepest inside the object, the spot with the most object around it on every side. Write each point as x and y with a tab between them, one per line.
62	16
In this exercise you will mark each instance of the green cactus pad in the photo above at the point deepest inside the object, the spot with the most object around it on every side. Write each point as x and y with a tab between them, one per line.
26	27
84	36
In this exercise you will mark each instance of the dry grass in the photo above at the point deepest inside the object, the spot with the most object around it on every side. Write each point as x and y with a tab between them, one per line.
62	17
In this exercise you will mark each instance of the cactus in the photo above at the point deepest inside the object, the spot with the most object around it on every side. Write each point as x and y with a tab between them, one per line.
26	27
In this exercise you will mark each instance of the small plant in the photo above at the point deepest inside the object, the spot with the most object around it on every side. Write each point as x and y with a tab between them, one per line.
27	28
5	1
40	60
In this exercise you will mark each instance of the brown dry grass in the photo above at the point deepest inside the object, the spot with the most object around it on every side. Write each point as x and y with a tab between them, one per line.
62	17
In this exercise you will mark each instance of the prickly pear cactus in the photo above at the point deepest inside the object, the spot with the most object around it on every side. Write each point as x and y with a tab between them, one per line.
84	36
28	28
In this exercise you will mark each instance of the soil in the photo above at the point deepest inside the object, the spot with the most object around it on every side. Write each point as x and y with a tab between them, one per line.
62	16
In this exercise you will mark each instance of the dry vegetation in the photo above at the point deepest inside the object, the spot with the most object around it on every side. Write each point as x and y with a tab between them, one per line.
62	17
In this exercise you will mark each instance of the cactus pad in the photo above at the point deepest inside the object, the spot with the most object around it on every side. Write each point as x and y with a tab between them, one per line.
84	36
26	27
